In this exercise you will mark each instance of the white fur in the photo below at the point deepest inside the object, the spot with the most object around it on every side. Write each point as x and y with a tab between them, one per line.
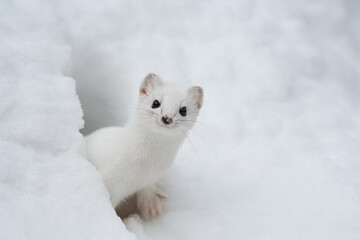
133	158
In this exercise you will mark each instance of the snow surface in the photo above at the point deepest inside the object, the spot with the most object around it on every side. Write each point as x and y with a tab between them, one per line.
275	154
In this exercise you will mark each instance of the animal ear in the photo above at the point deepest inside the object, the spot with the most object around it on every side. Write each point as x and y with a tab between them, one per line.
150	82
197	94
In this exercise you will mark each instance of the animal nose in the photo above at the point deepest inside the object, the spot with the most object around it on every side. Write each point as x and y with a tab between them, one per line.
166	120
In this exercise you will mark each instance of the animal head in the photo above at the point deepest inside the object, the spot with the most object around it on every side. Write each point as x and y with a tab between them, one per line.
166	107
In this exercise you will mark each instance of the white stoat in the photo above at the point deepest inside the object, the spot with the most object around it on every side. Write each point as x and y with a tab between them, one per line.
132	159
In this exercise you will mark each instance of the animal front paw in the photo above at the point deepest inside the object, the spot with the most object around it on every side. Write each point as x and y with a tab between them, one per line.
149	202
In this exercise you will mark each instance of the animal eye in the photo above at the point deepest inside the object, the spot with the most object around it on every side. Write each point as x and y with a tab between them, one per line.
182	111
155	104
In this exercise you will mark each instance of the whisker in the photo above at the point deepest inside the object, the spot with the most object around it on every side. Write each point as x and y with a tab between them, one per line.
202	127
199	134
193	121
187	137
147	112
195	129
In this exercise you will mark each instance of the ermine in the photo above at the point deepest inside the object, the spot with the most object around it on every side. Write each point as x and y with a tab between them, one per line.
132	159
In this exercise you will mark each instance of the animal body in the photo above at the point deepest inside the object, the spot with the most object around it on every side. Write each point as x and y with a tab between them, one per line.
132	159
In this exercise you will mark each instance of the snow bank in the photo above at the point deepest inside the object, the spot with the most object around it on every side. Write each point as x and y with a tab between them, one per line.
48	190
275	154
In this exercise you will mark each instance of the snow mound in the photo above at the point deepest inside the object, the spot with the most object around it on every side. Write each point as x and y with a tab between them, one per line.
48	190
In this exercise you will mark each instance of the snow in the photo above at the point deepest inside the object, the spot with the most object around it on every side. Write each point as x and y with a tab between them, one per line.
275	154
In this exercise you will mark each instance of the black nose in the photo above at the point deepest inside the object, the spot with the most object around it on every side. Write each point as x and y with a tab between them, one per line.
166	120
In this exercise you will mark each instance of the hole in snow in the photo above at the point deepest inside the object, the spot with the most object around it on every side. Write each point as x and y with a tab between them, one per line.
101	85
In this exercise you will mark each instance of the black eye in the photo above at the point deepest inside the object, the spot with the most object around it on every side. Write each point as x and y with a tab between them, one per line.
155	104
182	111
